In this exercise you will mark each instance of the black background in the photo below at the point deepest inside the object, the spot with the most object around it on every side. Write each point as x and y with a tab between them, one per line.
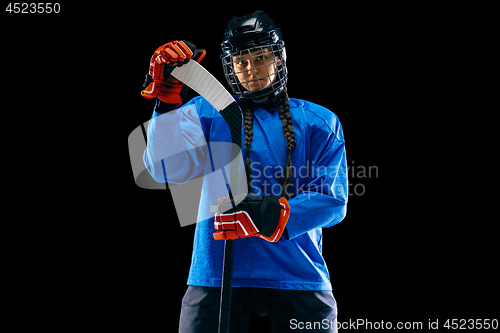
409	249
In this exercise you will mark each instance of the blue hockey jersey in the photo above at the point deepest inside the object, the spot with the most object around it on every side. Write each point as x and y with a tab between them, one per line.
319	184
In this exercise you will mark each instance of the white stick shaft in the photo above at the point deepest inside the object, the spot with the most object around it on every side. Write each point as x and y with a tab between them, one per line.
201	81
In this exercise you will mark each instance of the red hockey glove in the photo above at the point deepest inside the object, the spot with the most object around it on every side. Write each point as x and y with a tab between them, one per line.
159	83
264	217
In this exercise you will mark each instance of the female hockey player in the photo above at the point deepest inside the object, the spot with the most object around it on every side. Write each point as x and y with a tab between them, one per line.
295	162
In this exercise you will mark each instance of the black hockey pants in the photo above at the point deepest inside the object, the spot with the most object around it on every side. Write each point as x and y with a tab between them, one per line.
287	310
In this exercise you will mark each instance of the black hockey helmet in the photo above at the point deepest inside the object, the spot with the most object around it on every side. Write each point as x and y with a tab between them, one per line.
246	38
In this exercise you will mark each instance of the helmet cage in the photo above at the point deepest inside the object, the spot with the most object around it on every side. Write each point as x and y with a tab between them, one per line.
278	83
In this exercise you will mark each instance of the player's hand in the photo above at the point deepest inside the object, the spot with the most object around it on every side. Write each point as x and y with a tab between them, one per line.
265	217
159	83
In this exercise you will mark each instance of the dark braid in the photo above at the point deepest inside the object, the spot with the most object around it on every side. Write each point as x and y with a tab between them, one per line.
286	120
248	125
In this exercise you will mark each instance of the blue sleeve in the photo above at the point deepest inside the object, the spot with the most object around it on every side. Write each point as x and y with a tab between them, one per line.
323	201
176	144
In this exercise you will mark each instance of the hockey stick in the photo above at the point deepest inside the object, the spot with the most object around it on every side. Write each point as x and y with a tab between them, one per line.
200	80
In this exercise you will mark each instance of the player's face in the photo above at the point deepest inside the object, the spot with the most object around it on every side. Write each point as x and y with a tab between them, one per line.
256	70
